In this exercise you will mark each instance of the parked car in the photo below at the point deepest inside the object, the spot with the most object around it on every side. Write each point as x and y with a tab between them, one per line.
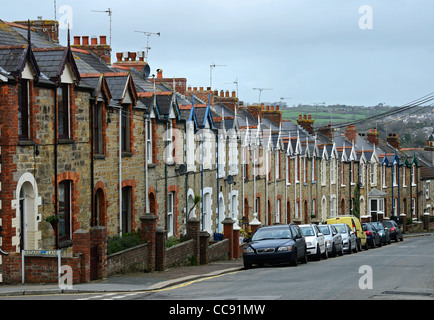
348	237
275	244
333	238
315	241
395	230
355	225
382	231
374	239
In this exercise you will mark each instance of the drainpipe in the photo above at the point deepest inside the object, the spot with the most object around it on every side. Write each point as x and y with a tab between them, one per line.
201	174
56	194
146	164
165	178
218	184
120	171
91	111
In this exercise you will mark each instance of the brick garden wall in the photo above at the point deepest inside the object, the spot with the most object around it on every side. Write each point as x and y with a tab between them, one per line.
180	254
129	260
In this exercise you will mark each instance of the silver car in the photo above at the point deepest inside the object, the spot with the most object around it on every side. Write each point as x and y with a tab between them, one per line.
334	241
315	241
348	237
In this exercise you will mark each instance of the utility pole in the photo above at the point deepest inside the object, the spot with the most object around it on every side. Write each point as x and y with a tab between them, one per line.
212	67
148	35
109	12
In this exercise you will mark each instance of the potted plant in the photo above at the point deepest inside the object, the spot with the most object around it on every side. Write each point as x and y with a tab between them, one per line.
53	220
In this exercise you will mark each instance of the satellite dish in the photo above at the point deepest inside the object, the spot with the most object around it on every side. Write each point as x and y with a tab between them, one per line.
182	169
146	71
230	180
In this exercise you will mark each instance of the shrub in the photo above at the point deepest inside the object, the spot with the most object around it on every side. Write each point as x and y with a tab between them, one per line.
128	240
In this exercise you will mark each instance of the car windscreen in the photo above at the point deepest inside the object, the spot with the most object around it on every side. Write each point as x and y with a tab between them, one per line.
324	230
307	231
378	226
341	228
272	233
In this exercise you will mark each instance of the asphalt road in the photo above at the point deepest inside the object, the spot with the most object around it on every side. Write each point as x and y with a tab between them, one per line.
403	271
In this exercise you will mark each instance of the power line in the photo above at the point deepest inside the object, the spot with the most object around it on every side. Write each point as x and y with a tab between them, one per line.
409	106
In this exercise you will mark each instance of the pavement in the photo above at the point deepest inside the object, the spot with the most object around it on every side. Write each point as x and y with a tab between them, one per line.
132	282
140	282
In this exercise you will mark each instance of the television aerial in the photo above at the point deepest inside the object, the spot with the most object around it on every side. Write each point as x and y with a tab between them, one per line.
148	35
109	11
260	92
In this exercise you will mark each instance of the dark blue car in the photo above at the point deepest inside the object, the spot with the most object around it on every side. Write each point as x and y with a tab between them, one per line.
373	237
382	231
275	244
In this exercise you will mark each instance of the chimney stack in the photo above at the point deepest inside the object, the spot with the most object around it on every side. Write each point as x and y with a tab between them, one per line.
393	140
327	131
48	28
306	123
351	134
129	60
374	137
101	50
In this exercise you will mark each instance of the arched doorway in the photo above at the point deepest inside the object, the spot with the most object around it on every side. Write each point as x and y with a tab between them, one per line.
27	218
100	208
343	206
152	204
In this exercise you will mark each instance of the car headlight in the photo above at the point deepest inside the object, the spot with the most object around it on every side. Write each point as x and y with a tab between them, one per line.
249	250
287	248
309	244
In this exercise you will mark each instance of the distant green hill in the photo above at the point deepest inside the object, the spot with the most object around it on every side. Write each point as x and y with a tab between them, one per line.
336	114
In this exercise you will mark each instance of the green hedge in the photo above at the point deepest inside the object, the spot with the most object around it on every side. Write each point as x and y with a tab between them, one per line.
128	240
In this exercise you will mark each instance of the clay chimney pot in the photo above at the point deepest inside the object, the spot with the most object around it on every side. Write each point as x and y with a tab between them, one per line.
102	40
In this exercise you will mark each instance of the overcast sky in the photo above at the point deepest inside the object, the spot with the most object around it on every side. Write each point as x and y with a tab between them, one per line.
311	51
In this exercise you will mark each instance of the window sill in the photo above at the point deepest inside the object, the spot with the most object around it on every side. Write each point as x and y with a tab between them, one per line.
65	244
99	156
127	154
25	143
66	141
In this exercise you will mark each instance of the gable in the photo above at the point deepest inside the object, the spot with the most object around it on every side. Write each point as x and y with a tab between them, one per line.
28	72
68	75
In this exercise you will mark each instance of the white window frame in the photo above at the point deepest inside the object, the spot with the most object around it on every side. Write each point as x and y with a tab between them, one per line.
149	141
170	213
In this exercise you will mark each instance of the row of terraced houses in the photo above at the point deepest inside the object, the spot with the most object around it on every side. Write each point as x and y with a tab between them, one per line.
89	143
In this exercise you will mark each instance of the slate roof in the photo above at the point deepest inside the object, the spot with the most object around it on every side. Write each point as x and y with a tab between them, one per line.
15	35
117	86
10	59
49	61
